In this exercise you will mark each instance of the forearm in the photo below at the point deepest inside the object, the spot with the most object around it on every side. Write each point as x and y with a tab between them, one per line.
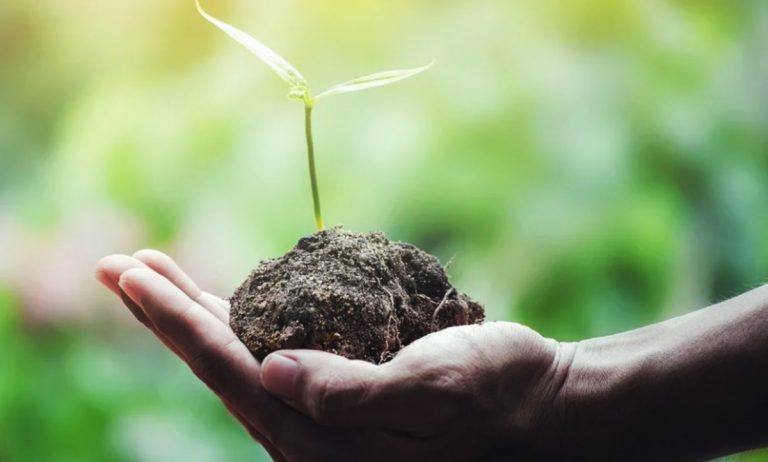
690	388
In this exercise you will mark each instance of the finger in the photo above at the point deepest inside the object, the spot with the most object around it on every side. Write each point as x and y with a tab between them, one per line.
220	360
108	272
273	452
110	268
337	391
164	265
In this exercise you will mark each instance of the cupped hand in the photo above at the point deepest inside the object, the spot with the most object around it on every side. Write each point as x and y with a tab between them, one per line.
464	393
479	392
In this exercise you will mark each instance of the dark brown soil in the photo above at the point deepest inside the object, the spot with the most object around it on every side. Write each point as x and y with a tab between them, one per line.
356	295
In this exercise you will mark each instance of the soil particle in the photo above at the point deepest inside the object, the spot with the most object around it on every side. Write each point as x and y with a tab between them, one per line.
357	295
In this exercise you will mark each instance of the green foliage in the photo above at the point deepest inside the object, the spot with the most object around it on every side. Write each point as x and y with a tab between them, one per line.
590	167
299	90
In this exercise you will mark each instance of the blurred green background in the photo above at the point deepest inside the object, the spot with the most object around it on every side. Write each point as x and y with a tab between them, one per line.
590	166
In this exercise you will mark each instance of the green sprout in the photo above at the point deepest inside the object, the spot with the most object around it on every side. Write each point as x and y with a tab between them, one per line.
299	89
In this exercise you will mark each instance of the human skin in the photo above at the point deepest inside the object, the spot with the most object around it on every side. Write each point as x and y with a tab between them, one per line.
689	388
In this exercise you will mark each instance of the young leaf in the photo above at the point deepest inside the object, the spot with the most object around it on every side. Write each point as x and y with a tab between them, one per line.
281	67
373	80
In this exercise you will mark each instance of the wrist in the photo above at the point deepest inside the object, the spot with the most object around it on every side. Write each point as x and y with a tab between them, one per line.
690	388
601	405
530	418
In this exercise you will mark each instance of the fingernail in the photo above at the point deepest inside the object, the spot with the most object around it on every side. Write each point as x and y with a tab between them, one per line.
279	375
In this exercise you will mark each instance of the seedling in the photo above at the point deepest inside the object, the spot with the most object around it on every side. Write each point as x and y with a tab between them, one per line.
323	294
299	90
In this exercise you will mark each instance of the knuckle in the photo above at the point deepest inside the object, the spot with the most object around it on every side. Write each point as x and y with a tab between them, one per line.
330	399
449	392
205	365
451	383
446	377
324	394
210	367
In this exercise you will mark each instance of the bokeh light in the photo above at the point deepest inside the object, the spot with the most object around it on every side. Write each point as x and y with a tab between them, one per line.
587	166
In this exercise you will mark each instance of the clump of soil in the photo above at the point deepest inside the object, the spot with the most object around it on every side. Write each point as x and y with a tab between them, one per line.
356	295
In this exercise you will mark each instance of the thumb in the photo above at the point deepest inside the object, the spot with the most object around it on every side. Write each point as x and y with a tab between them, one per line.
331	389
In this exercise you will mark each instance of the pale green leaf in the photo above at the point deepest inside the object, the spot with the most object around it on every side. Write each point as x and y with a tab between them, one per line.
373	80
281	67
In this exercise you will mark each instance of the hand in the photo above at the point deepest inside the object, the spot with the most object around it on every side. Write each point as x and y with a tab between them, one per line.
195	326
464	393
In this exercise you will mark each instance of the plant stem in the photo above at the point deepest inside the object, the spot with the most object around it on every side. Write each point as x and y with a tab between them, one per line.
312	174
